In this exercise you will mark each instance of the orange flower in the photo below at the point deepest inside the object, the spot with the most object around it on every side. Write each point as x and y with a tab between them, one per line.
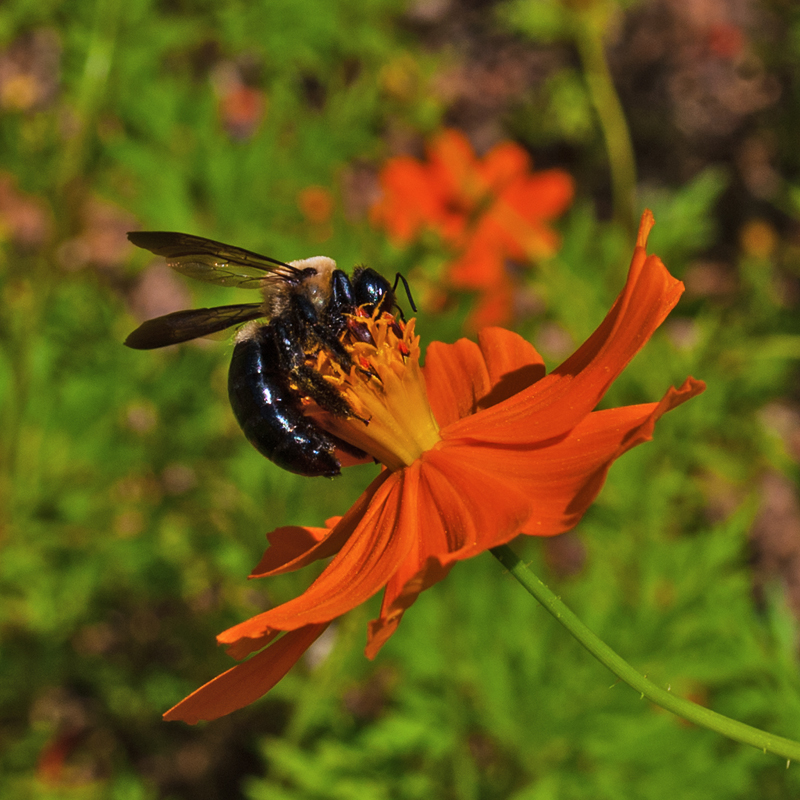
241	107
478	447
487	211
316	203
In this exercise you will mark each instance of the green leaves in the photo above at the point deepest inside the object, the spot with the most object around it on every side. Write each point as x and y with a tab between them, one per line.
131	508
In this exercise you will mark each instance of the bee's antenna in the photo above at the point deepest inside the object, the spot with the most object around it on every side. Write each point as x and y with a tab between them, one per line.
402	278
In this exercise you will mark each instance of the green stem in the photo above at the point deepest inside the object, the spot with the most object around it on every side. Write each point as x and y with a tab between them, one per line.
96	71
588	35
624	671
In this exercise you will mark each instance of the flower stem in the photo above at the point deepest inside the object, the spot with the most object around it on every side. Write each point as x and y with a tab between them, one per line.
588	32
94	81
602	652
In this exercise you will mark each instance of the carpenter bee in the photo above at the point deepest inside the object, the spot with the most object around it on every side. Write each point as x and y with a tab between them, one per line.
306	306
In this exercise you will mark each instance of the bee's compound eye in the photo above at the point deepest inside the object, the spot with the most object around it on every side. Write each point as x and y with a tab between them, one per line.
371	289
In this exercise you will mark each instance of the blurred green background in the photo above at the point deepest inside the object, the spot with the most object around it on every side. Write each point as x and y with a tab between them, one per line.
132	508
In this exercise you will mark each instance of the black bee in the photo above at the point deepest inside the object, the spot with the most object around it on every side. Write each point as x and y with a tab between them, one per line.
306	304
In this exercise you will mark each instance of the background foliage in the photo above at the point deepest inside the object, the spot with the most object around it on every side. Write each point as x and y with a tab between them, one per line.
131	508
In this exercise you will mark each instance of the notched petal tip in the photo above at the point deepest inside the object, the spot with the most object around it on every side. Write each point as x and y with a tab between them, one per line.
288	545
645	226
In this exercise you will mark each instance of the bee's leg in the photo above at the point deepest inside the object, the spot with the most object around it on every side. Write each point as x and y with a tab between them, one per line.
311	384
306	381
315	330
332	321
342	300
346	298
288	344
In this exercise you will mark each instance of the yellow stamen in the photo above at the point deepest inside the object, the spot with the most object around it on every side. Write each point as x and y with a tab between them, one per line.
384	387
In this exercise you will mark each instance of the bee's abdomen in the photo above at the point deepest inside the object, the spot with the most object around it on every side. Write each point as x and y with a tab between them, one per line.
269	412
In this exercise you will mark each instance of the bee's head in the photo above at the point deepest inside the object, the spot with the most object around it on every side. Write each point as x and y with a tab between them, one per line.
315	279
372	290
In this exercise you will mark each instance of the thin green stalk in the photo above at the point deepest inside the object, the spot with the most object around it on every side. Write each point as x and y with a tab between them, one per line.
588	35
96	71
625	672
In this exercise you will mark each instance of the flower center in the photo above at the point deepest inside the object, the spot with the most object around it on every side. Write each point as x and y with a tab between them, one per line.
392	420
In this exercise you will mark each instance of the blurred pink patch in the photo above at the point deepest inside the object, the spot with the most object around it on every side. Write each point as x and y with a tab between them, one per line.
726	40
102	241
24	218
30	71
158	292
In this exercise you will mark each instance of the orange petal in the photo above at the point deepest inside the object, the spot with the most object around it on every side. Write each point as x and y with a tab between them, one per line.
561	477
361	568
573	471
481	265
409	199
456	378
245	683
541	196
252	634
503	163
513	363
462	377
557	482
561	399
516	234
245	647
401	593
286	545
293	547
453	161
456	522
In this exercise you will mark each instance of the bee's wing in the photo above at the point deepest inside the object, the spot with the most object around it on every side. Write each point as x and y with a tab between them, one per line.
182	326
214	262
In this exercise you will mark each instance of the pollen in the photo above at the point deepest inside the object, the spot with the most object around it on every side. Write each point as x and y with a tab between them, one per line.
392	419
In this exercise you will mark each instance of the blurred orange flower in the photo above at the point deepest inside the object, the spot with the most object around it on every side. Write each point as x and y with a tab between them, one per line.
487	210
316	204
241	110
478	447
241	107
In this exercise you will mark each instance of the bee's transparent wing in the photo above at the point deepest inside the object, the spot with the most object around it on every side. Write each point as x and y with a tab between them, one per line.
181	326
214	262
